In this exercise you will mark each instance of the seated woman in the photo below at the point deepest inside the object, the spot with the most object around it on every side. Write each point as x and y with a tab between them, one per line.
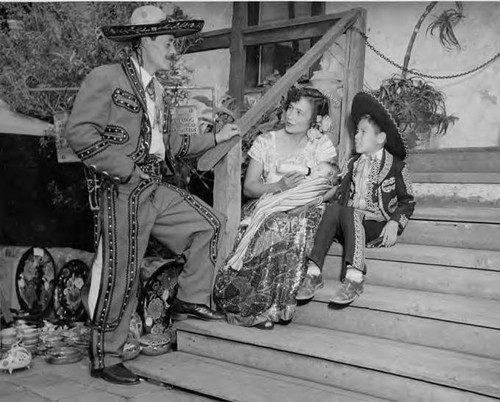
258	283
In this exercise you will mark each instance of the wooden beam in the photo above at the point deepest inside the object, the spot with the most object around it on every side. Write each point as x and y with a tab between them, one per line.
213	40
227	182
277	31
353	83
214	155
289	30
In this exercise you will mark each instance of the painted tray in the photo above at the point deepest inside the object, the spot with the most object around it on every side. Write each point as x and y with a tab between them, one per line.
156	296
35	281
68	304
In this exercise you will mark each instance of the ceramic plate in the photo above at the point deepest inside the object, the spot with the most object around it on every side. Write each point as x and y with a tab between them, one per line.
156	296
68	304
35	281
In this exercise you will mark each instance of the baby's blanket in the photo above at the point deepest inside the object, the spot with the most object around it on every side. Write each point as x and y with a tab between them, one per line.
309	191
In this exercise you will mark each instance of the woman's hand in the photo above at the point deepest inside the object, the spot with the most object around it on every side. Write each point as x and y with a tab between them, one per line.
227	132
290	180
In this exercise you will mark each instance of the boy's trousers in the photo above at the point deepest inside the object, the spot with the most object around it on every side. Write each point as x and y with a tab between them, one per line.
348	226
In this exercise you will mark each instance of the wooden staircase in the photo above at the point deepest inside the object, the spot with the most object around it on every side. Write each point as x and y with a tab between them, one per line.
427	327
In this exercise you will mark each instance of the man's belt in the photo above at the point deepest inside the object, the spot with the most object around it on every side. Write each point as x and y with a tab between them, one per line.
152	166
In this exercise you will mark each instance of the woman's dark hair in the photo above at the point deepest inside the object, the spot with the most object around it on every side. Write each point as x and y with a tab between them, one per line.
317	99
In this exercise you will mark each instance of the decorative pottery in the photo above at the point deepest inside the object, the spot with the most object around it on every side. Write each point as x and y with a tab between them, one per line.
156	296
35	281
155	344
63	355
17	357
135	326
68	304
131	350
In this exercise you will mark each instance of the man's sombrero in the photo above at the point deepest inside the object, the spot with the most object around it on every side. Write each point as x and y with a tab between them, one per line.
365	103
148	21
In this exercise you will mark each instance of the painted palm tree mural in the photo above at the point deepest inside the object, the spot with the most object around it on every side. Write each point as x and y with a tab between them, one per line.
418	105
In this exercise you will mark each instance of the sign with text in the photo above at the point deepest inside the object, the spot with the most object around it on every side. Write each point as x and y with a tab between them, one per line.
185	120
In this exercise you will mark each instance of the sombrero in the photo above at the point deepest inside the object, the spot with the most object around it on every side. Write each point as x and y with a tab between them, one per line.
151	20
365	103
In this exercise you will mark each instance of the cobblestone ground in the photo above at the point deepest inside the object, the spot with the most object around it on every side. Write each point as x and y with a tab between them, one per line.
73	383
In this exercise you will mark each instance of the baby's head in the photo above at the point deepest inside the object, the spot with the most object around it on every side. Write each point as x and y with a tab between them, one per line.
326	170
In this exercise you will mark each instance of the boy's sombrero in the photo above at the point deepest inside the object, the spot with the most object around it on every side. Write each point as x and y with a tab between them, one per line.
365	103
151	20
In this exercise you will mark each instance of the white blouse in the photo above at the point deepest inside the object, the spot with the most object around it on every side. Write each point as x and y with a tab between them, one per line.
264	151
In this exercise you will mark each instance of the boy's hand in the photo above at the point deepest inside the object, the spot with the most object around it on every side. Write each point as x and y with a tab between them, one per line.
389	234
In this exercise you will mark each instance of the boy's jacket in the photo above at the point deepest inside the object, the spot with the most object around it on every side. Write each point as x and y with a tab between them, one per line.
389	188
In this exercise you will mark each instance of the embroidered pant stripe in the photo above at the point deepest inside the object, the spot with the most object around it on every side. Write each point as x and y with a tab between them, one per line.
358	259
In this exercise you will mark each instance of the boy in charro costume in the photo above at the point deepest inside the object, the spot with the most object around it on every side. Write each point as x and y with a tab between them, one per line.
117	128
374	200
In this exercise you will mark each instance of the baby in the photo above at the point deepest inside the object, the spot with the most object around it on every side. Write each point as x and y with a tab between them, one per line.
325	170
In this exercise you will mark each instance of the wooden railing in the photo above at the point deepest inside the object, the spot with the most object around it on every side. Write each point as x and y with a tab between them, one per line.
225	158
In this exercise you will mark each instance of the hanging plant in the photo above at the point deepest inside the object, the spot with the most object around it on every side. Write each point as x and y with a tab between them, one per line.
417	104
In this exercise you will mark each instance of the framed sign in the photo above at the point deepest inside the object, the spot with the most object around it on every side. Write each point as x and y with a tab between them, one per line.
193	109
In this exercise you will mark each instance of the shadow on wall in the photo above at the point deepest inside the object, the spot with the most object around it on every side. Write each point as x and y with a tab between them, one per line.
28	216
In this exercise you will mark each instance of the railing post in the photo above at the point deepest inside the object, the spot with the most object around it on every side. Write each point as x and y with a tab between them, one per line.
227	182
353	83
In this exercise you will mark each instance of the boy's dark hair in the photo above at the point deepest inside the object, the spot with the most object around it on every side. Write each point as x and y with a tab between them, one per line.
315	97
369	118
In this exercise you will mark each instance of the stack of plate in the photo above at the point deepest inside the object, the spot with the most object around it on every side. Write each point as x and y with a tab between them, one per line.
78	336
63	355
8	337
29	337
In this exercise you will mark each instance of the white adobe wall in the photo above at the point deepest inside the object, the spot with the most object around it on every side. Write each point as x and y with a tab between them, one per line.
475	99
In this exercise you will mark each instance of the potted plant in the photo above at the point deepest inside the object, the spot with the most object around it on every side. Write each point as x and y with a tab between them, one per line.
417	105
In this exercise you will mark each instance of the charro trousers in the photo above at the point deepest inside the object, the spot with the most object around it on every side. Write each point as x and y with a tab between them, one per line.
129	214
348	226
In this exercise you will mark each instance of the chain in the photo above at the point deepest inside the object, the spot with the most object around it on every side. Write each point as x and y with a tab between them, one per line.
415	72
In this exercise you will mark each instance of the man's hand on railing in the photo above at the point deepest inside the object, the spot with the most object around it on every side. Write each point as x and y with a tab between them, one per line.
227	132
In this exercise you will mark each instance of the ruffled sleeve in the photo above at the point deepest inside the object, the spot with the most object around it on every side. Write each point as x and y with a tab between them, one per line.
259	148
325	151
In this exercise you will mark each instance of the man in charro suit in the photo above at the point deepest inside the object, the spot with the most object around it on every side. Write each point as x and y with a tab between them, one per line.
373	203
118	128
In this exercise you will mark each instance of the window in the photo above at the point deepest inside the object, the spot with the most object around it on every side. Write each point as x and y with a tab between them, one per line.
264	61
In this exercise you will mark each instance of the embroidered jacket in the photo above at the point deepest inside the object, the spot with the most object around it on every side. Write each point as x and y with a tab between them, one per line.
390	190
109	127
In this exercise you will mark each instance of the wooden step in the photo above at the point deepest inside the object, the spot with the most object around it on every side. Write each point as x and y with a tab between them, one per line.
431	278
406	328
381	367
453	308
432	212
481	236
411	316
433	255
459	194
454	177
455	160
231	382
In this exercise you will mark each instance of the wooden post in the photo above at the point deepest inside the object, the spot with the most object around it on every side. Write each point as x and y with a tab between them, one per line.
227	181
353	83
